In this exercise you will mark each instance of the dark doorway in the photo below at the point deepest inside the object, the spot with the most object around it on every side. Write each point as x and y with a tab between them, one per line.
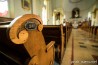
76	13
57	16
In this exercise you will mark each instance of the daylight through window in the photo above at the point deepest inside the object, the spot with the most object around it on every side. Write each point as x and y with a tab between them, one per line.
3	7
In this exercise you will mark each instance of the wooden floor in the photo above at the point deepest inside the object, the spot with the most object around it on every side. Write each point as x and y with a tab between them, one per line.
81	49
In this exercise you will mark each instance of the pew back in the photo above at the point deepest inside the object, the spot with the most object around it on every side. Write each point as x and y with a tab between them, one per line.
55	33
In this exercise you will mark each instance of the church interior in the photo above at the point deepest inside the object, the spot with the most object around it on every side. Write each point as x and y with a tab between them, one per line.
48	32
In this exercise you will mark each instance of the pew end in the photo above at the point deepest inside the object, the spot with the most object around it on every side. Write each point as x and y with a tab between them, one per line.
24	37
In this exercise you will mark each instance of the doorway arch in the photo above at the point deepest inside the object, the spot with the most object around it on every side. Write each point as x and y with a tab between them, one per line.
76	13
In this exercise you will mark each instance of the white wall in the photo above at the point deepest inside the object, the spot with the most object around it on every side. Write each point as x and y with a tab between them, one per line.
37	7
95	14
96	19
50	13
15	9
11	8
19	10
84	5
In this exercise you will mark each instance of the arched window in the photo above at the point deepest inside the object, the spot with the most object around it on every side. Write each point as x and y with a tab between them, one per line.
76	13
44	13
3	7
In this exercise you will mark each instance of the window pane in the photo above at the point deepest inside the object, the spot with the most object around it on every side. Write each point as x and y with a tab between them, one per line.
3	7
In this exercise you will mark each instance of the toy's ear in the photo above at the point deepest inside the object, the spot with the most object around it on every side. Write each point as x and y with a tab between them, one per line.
40	27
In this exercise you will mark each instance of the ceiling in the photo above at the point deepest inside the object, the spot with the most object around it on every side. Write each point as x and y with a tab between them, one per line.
69	5
75	1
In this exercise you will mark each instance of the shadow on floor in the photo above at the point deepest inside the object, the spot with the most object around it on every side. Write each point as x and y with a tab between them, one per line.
95	58
83	46
55	63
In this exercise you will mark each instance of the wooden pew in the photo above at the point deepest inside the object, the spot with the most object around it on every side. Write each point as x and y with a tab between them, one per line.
4	19
85	26
56	33
94	31
92	28
22	42
68	30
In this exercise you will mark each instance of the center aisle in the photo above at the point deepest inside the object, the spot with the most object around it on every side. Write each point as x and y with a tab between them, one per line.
80	49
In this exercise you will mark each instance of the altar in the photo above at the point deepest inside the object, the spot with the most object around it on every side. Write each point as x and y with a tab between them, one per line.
75	25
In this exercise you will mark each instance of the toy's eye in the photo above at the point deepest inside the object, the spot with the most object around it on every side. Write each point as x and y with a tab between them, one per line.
30	25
